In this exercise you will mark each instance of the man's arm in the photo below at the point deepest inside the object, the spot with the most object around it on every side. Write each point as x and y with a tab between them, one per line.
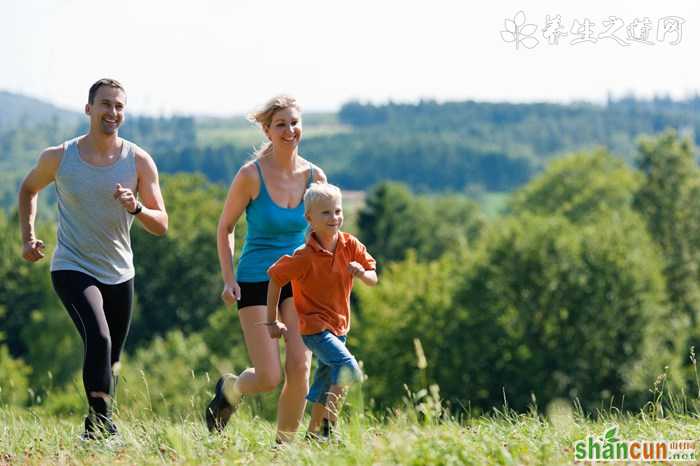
153	216
37	179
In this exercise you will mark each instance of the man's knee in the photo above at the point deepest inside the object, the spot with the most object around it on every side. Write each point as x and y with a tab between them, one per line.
103	343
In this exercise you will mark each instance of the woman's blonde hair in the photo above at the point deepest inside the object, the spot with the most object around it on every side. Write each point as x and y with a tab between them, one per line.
320	191
263	117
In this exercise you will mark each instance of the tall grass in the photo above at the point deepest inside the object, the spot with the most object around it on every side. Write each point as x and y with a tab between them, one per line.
419	432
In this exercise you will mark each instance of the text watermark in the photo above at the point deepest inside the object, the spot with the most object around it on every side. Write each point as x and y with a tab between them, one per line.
608	447
555	31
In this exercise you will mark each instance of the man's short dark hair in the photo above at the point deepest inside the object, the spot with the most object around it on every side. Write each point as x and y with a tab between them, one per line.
103	82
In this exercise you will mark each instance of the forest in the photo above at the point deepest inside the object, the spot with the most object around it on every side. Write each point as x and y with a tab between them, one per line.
580	283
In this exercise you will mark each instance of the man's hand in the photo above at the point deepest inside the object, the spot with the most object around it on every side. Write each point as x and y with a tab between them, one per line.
125	197
355	269
33	250
231	293
276	329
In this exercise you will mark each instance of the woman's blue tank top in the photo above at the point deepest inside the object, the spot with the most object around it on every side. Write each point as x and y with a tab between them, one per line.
273	231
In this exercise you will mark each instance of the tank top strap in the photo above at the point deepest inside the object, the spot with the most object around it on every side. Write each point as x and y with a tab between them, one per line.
311	175
70	147
263	188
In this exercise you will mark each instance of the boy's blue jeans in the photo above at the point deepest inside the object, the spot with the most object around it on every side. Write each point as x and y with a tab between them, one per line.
336	366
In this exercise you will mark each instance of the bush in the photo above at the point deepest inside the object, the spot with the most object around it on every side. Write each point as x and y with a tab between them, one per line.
14	379
544	308
169	377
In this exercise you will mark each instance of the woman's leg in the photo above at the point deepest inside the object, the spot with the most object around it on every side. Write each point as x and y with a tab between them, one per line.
263	351
292	401
264	376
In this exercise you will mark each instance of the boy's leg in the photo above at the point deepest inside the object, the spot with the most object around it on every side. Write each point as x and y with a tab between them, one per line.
318	392
334	401
332	352
318	412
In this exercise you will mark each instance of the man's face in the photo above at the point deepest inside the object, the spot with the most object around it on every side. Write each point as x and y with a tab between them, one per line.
107	111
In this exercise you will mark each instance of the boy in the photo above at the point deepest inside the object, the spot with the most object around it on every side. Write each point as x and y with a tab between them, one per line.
322	273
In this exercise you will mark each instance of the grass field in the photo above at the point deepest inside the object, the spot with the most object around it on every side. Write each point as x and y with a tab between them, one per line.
500	438
237	131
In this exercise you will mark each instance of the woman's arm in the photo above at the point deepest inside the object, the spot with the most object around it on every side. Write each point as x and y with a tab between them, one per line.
239	195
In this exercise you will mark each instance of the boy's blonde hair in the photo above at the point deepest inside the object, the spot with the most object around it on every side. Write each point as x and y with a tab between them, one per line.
320	191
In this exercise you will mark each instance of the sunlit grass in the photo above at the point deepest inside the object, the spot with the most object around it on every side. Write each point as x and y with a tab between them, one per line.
403	437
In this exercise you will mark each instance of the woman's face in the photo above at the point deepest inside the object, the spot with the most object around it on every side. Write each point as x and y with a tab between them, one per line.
285	129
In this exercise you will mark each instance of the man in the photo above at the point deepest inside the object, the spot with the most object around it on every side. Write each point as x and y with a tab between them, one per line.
97	178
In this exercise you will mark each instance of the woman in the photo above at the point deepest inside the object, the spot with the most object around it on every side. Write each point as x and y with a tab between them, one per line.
269	189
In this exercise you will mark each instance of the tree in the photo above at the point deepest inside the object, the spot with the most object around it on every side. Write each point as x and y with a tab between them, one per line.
578	187
543	307
177	276
394	221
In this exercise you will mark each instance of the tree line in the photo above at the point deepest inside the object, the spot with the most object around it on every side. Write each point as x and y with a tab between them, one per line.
584	289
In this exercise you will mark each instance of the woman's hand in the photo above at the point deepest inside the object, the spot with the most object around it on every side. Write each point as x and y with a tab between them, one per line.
231	293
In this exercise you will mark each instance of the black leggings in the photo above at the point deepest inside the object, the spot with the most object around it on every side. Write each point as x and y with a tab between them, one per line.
102	314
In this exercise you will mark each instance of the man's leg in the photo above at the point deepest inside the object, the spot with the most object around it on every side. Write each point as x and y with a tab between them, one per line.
118	307
83	301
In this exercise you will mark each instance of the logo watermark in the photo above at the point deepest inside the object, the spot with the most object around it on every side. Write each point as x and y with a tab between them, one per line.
609	447
519	32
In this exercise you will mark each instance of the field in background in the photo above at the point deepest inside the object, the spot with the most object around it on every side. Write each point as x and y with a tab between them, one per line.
237	131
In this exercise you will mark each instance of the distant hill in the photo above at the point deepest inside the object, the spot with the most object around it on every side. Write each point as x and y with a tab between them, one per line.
20	110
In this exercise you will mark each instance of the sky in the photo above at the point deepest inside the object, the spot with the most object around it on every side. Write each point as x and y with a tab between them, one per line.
227	57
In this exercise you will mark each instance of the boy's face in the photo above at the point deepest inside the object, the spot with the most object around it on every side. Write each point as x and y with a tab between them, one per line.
326	216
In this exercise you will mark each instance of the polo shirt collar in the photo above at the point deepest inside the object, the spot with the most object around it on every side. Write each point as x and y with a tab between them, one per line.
316	246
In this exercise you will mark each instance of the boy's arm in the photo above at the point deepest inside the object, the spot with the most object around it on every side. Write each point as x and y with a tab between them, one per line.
275	328
368	277
286	269
364	266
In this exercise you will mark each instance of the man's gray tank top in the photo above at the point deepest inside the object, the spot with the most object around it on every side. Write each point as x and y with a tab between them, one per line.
93	227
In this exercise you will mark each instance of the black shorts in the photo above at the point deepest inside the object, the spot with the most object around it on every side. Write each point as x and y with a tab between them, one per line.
255	293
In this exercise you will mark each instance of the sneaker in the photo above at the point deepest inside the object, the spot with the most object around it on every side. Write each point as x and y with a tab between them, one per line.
315	437
220	409
98	427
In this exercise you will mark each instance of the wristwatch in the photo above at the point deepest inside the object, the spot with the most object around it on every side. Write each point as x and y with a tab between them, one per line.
139	208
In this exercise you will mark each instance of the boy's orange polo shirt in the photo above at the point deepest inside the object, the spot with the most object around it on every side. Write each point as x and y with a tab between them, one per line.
321	282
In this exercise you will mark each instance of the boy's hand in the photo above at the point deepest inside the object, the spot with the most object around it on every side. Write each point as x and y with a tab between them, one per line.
356	269
276	329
